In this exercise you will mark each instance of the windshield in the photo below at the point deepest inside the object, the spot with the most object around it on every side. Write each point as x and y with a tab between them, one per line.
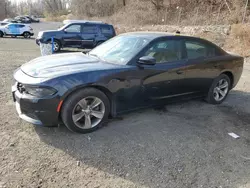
120	49
61	28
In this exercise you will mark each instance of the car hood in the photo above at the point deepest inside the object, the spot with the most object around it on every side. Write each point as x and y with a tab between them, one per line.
49	32
64	64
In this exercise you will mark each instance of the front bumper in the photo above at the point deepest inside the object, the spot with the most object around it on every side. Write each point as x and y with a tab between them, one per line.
38	111
39	40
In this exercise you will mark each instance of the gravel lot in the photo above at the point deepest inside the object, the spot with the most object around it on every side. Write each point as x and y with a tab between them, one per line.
186	145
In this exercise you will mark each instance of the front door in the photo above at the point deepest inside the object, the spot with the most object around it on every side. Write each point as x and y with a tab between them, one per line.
12	29
72	36
89	34
161	81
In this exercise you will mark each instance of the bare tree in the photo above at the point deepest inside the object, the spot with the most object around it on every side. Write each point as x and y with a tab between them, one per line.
55	7
157	3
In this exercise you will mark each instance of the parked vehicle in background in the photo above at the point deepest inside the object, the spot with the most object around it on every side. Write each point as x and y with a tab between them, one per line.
78	35
129	72
33	19
16	29
9	20
22	19
4	23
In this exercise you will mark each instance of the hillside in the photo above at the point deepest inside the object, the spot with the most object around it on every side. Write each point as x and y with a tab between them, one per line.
168	12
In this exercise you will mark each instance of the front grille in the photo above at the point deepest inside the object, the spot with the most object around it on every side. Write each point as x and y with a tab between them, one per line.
20	87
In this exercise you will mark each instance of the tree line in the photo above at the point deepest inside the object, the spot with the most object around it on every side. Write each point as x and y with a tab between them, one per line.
160	9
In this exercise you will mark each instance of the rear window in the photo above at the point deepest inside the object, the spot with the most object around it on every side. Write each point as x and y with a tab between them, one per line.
105	29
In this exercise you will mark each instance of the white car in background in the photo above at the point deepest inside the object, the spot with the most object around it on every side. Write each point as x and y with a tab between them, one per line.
16	29
3	23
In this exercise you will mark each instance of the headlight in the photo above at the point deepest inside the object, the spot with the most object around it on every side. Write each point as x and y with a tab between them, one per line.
39	91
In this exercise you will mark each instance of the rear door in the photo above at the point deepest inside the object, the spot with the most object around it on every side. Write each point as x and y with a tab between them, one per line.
72	36
89	35
22	28
202	62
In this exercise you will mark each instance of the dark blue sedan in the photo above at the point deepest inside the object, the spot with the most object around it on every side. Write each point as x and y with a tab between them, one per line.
128	72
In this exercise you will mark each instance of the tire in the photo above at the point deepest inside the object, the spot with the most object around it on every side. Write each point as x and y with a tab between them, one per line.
77	108
1	34
26	35
57	46
221	85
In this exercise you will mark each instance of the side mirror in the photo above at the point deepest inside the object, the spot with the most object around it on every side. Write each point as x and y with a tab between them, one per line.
147	60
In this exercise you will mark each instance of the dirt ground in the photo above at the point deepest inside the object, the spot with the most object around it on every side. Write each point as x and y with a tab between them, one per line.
187	145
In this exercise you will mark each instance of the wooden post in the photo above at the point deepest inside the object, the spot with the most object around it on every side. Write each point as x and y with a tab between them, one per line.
196	15
179	16
218	17
244	15
165	17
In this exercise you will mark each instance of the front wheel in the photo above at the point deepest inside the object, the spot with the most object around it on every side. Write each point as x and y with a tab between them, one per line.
86	110
1	34
57	46
219	89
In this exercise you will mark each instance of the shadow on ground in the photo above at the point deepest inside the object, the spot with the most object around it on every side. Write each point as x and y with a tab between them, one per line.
187	145
20	38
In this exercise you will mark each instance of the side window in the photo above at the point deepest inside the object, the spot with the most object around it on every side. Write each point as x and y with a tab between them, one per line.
105	29
89	29
73	29
165	51
21	26
199	50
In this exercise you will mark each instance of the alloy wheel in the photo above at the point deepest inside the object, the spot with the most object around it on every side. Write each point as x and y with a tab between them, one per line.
56	46
221	90
88	112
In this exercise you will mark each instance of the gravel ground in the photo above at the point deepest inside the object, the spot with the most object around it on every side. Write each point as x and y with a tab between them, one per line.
186	145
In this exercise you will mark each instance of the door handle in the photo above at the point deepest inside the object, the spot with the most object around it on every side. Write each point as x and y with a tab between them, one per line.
179	72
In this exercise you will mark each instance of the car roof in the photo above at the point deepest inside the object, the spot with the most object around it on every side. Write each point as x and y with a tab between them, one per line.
151	34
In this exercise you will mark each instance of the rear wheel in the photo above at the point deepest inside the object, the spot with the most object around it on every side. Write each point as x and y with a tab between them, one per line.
219	89
26	35
86	110
1	34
